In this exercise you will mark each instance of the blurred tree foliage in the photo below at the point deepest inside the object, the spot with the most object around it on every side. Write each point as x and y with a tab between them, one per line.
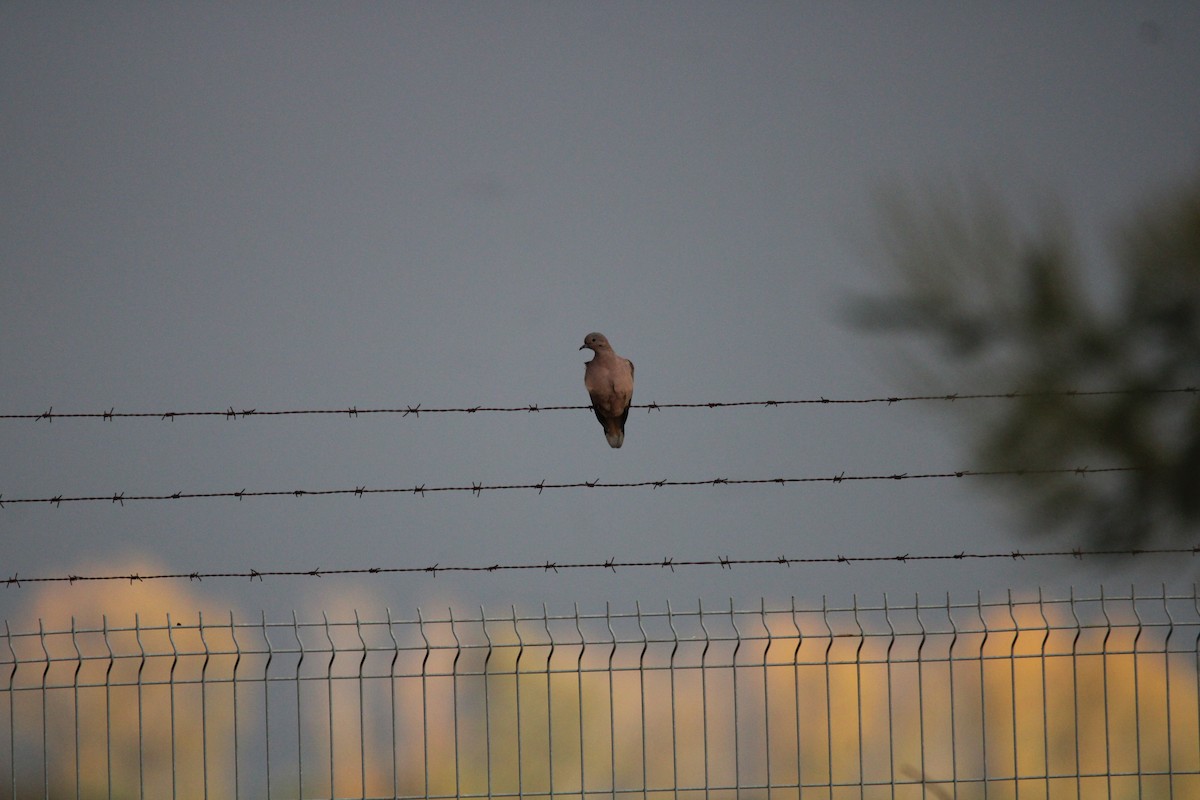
985	304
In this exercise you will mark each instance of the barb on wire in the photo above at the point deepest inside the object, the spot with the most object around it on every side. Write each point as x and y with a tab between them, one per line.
611	564
417	410
479	488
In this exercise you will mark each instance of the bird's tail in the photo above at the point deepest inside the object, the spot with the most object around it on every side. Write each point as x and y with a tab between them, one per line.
615	434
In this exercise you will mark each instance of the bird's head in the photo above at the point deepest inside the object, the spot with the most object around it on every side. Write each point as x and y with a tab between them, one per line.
595	342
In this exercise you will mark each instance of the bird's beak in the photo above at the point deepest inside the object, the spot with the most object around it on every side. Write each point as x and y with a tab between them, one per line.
582	346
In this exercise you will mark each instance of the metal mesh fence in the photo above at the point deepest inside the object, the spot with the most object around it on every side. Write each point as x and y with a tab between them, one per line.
1016	697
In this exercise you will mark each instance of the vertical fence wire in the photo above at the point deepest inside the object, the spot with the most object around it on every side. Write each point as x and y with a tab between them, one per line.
1020	696
1137	698
1078	631
1045	698
266	692
1108	776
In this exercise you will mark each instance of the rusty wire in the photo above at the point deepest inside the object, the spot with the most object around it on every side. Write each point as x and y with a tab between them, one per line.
354	411
610	564
479	488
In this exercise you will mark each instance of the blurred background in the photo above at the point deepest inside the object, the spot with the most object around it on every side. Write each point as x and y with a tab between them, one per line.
311	206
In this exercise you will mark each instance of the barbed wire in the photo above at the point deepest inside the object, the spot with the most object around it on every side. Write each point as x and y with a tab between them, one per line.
354	411
610	564
479	488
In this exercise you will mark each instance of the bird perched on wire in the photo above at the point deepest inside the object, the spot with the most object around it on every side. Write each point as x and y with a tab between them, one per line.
608	379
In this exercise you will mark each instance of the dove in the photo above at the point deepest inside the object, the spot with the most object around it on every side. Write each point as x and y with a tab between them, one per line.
608	379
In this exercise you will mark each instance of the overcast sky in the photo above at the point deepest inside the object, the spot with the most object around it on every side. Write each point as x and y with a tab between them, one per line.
303	205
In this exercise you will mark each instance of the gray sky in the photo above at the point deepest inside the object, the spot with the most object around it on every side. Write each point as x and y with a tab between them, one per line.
324	205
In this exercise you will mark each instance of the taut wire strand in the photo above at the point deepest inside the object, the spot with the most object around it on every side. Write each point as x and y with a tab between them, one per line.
478	488
417	410
612	565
